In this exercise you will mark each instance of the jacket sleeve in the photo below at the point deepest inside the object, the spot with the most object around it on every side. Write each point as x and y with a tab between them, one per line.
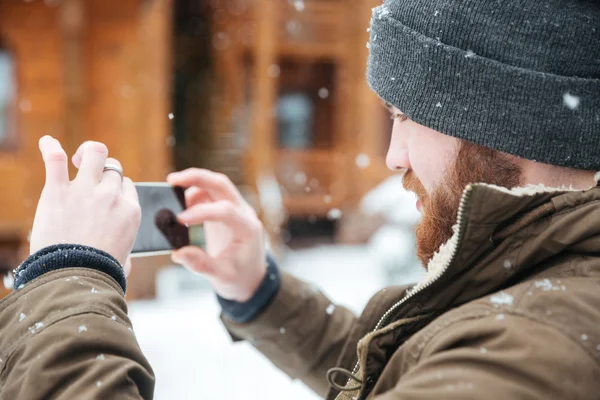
300	331
66	335
510	358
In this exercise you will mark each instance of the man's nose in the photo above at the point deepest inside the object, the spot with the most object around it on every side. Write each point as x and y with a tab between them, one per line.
397	156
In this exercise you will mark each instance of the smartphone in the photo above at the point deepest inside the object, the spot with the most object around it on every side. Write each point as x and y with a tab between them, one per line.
160	232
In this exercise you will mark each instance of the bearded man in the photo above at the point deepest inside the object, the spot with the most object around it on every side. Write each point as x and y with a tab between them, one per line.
497	128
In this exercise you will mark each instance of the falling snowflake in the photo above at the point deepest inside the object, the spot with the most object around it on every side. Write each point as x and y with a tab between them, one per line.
282	330
22	316
272	276
502	298
300	178
82	328
114	317
98	383
470	54
25	105
500	317
330	309
393	78
9	280
334	213
571	101
100	357
438	104
171	116
299	5
94	290
323	93
483	350
274	70
584	337
362	161
507	264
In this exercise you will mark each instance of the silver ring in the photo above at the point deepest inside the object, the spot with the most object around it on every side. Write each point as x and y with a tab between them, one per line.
113	167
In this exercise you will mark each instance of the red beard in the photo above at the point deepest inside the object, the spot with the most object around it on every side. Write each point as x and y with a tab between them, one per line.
473	164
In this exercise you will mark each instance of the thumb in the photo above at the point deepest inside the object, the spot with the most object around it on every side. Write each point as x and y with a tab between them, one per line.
195	259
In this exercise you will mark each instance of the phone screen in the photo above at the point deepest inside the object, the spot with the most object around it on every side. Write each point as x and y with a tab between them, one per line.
160	232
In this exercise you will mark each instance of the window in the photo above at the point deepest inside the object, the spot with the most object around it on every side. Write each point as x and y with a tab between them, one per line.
7	98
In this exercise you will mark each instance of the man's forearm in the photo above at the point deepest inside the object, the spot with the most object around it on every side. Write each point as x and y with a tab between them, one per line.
71	321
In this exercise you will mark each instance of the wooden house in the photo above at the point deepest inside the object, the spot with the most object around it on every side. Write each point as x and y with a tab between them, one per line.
261	90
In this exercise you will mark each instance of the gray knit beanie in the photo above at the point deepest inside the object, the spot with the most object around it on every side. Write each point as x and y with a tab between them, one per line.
518	76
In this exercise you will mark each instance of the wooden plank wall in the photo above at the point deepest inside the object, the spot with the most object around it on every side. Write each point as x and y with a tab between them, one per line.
86	70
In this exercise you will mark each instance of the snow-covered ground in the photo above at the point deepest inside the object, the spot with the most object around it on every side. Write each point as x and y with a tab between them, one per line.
193	356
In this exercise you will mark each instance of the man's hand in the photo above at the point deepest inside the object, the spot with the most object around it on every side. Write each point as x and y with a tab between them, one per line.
235	258
97	209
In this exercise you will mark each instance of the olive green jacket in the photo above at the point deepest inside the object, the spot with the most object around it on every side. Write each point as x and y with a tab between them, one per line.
509	309
66	335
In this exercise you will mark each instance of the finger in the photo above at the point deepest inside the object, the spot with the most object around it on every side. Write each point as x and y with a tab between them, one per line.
76	159
216	184
195	259
93	158
129	191
111	178
195	195
221	211
55	160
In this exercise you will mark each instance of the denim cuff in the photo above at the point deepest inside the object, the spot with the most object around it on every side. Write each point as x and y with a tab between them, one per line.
62	256
247	311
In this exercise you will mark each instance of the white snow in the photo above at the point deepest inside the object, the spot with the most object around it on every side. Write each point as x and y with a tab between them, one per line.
171	116
330	309
584	337
274	70
362	161
8	280
36	327
82	328
300	178
100	357
470	54
571	101
393	201
299	5
323	93
22	316
438	104
502	298
334	213
176	333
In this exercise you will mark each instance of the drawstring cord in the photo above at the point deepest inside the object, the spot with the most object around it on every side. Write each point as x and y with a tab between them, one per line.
330	378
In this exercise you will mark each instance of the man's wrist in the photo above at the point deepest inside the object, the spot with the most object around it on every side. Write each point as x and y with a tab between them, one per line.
244	312
62	256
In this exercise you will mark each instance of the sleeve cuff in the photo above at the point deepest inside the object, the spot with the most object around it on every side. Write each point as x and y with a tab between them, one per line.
68	256
247	311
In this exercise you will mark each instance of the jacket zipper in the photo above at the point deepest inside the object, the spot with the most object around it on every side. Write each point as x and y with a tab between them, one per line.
386	318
